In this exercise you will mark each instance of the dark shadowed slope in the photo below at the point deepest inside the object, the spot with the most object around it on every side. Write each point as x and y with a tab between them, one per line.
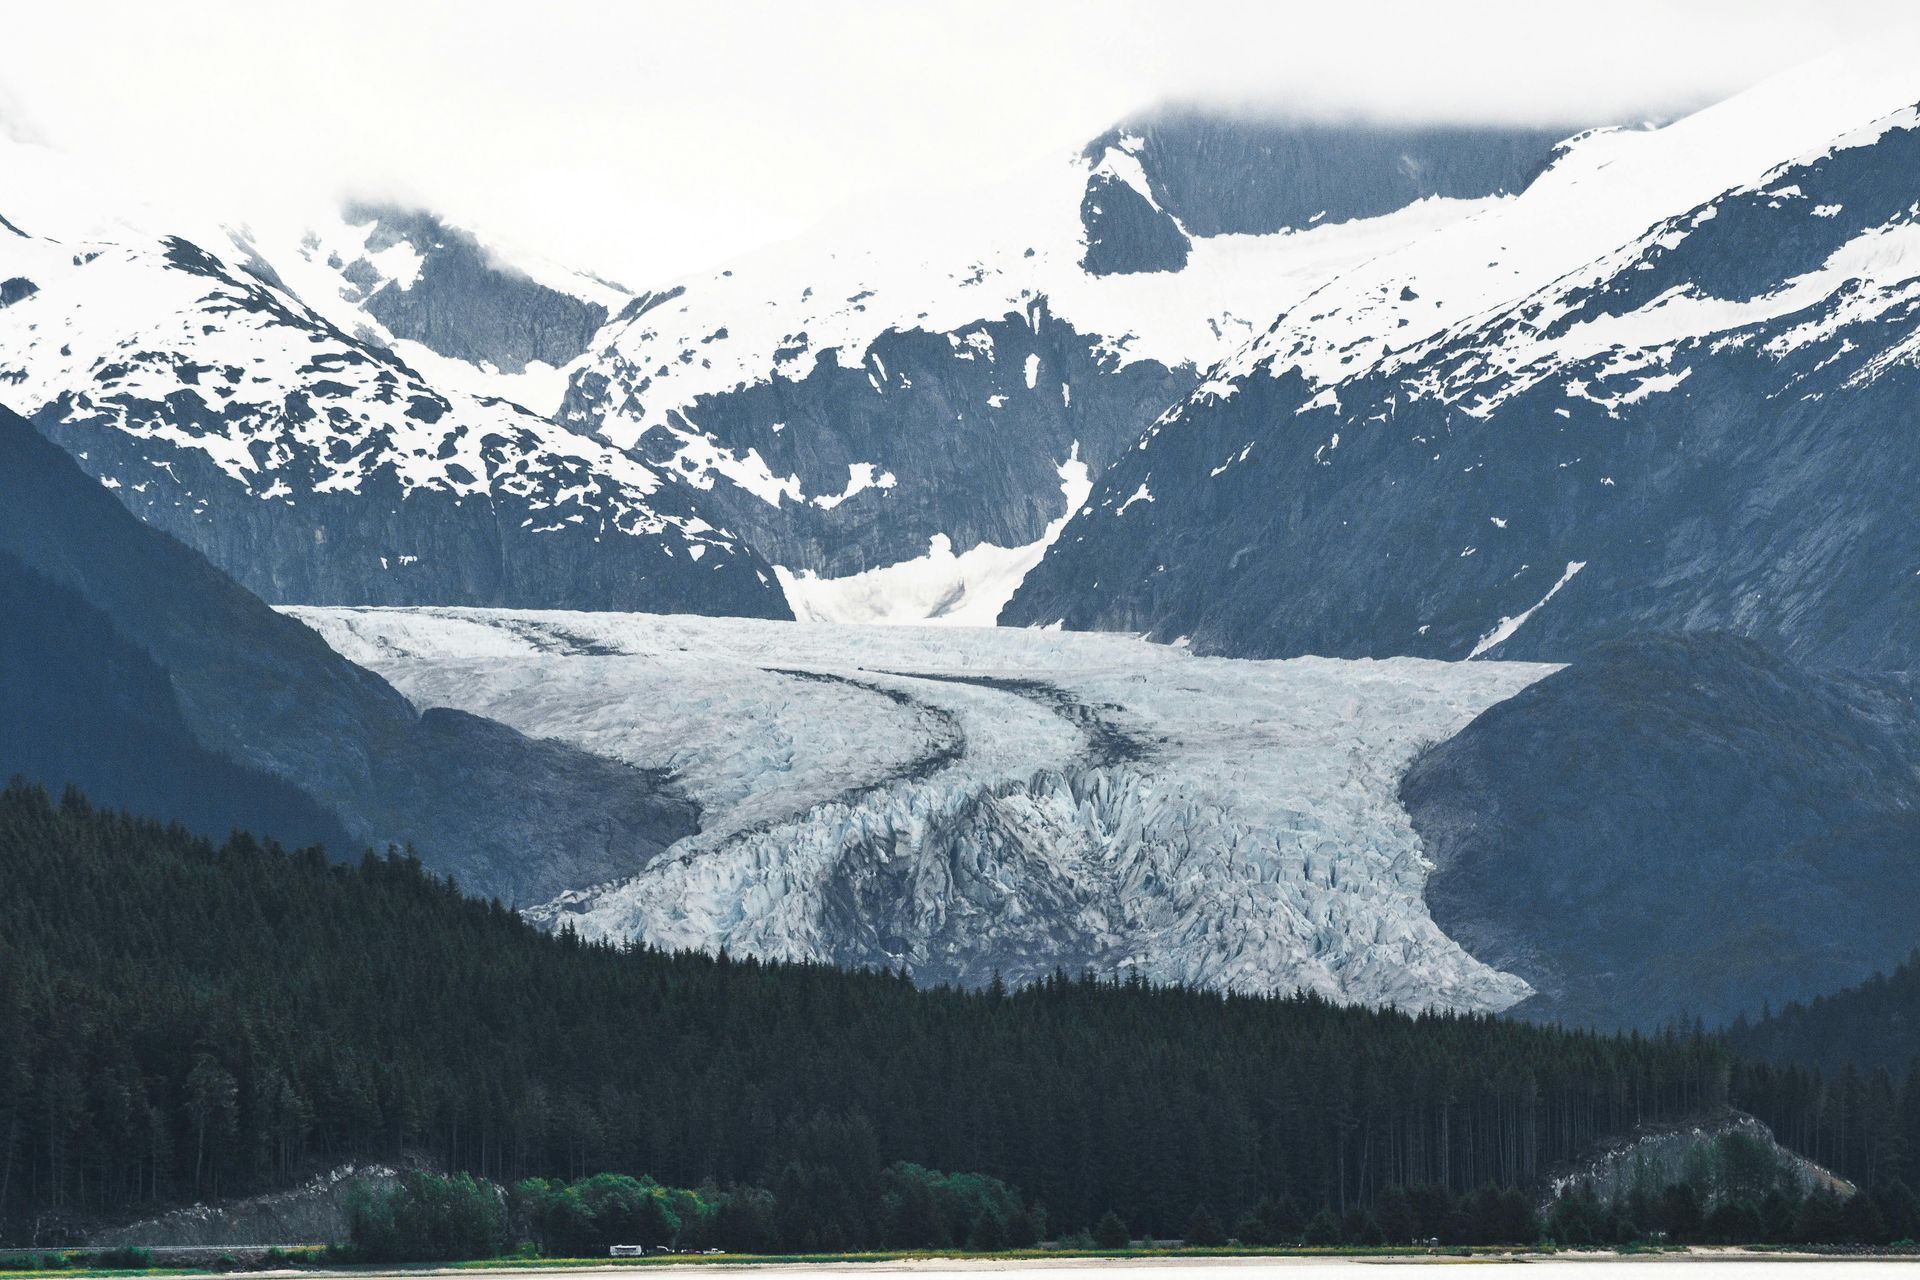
1876	1024
264	691
1678	826
80	705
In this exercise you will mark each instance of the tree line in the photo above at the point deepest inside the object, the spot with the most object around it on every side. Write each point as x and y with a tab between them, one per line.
1873	1025
1838	1077
181	1020
424	1217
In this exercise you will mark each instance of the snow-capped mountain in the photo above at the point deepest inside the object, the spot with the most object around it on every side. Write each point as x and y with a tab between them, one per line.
314	464
901	409
1669	386
452	302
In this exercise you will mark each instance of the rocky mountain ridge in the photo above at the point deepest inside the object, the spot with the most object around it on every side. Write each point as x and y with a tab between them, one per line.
311	463
1666	387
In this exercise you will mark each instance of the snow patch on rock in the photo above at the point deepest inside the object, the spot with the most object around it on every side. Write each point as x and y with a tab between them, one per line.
967	589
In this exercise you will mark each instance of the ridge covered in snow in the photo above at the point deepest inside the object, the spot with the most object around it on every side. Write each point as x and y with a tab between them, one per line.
1668	386
1605	188
306	461
449	300
972	345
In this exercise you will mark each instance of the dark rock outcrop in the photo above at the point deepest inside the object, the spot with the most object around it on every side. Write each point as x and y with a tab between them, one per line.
1126	232
971	426
1222	175
465	303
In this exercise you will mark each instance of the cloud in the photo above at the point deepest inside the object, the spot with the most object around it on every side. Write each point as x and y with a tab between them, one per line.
646	139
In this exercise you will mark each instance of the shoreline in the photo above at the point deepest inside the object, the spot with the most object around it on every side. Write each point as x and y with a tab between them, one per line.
960	1263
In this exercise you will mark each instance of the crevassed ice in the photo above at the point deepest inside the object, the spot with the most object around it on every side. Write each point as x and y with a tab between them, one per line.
897	796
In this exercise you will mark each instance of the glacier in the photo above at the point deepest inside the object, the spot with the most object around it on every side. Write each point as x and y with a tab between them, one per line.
960	803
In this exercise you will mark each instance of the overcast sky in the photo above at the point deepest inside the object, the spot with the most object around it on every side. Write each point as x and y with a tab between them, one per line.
644	139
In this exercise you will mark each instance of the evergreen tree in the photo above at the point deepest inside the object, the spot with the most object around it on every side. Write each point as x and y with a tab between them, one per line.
1204	1228
1676	1212
1861	1223
1323	1230
1023	1228
912	1218
1286	1220
1733	1222
1111	1232
989	1234
1819	1220
1899	1210
1358	1226
181	1019
1254	1227
1398	1222
1779	1216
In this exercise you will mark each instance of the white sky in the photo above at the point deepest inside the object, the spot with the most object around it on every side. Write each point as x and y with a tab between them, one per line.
646	139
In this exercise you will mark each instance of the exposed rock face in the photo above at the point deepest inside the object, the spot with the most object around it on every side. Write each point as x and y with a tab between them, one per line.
315	1212
930	434
925	373
1710	427
315	465
461	301
1222	175
336	415
1729	1155
1680	826
1127	231
264	692
316	468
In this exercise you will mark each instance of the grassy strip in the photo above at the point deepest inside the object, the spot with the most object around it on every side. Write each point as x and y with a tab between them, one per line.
962	1255
320	1260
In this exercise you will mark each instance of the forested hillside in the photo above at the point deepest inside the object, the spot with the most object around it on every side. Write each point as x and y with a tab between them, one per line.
1875	1024
1839	1076
82	704
183	1021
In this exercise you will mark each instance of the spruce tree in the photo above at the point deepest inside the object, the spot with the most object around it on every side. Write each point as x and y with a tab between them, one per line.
1323	1230
1204	1229
1111	1232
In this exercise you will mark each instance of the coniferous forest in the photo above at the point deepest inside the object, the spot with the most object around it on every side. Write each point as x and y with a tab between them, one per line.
181	1021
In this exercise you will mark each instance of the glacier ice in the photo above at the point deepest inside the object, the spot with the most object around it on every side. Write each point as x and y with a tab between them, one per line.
960	802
